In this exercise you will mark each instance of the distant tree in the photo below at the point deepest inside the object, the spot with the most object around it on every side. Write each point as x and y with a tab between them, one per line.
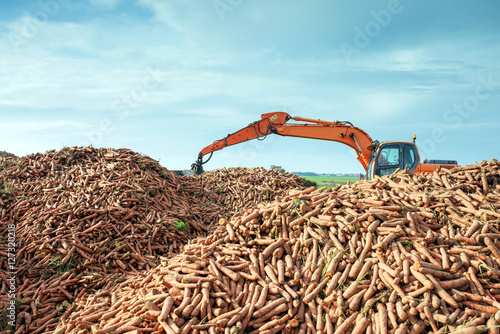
309	174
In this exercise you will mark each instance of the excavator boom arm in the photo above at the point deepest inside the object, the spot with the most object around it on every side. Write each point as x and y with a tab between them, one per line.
254	130
342	132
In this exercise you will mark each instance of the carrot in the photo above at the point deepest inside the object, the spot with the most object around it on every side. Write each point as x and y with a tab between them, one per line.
187	327
271	324
387	269
454	283
428	315
374	322
442	293
457	265
261	263
477	314
441	318
118	326
282	308
329	327
319	320
336	241
271	274
427	283
382	318
463	251
406	271
343	278
397	254
185	302
373	226
166	327
248	316
281	271
452	318
481	308
289	262
424	251
90	318
493	326
365	269
351	290
391	314
356	300
475	281
402	329
418	327
240	315
436	273
228	272
492	247
262	298
387	240
347	324
194	302
392	283
262	310
332	284
401	312
468	330
361	326
291	292
372	288
308	298
332	266
225	315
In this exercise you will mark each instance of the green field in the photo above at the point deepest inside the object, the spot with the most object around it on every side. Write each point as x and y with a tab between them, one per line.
330	179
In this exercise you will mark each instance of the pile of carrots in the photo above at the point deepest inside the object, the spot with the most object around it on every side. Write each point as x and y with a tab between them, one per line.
398	254
230	190
87	217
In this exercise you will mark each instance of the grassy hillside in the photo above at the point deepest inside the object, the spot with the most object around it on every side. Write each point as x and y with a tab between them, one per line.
330	180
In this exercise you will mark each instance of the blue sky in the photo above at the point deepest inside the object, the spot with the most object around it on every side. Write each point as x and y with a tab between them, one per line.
167	78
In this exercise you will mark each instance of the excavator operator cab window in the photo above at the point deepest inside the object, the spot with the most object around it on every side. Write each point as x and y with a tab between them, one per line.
392	156
388	159
409	157
388	156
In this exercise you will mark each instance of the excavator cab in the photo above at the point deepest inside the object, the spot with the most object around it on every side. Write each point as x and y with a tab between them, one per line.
389	156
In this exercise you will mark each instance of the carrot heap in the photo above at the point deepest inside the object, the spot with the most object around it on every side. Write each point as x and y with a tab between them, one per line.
233	189
86	217
398	254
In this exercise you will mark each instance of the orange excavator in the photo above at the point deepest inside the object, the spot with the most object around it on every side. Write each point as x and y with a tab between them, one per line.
376	158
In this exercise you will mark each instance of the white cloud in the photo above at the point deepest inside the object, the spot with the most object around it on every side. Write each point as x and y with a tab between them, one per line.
440	57
187	20
386	104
